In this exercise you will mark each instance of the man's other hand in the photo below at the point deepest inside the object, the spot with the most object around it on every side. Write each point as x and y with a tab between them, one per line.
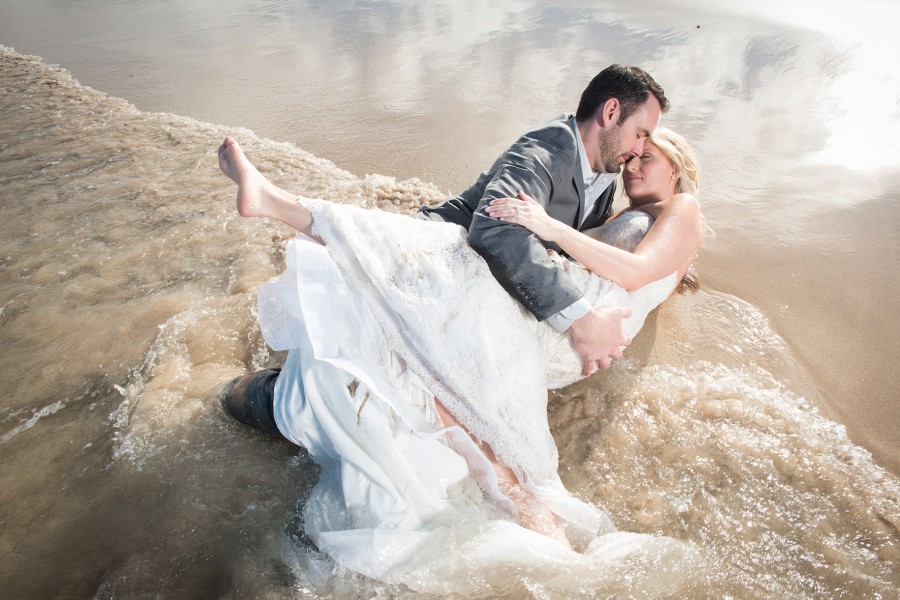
598	337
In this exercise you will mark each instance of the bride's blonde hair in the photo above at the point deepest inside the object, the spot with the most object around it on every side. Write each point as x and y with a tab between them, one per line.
678	152
687	173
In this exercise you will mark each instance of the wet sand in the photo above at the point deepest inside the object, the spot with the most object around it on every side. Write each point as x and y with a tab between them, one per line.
791	168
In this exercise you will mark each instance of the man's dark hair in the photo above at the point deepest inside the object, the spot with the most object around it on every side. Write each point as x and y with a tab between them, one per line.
631	86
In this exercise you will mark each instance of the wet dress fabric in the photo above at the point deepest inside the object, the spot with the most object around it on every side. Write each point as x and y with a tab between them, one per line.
389	314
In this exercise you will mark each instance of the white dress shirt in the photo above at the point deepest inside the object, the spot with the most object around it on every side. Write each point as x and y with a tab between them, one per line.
594	184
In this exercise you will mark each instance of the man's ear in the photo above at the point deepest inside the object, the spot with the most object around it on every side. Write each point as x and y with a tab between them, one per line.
608	115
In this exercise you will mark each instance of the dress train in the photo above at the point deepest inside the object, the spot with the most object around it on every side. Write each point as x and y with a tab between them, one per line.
389	314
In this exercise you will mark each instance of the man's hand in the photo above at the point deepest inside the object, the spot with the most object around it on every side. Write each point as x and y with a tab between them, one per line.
598	337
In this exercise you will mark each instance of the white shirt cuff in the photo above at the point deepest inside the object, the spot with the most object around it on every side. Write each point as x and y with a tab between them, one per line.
562	320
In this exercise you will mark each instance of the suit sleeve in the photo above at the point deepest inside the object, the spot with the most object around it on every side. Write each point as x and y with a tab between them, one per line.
536	164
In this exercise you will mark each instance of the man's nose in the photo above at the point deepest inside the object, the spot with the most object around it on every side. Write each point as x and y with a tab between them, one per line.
638	147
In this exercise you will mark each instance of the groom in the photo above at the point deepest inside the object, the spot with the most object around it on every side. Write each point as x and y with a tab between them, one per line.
569	166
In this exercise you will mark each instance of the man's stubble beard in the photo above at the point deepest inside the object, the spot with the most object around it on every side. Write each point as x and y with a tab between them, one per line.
609	151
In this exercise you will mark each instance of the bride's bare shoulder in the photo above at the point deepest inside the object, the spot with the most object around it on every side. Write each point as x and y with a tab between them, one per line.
683	203
683	197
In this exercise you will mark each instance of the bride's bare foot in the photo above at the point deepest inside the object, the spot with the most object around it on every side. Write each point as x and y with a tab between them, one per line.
257	196
251	184
532	513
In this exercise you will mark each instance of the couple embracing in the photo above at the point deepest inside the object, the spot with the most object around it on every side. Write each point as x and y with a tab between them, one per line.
421	350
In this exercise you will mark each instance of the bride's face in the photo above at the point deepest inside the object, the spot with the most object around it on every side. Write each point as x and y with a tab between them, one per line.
649	177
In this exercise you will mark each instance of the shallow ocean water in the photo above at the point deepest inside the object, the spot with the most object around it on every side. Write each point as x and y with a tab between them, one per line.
128	292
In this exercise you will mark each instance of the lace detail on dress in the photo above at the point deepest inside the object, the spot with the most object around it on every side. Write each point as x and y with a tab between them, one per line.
389	284
625	231
458	330
487	359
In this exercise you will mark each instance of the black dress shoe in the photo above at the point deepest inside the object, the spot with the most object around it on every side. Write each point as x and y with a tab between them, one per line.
249	399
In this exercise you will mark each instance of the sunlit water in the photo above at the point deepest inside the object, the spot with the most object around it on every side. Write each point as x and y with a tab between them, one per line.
127	282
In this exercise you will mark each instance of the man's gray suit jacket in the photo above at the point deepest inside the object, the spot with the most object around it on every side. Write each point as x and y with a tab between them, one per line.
545	164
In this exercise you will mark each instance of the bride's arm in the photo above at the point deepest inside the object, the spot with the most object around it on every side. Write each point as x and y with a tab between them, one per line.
672	242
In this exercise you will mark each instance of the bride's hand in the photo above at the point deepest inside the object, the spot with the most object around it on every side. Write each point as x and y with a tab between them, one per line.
525	212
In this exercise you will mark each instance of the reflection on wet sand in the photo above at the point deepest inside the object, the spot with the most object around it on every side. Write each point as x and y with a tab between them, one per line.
792	113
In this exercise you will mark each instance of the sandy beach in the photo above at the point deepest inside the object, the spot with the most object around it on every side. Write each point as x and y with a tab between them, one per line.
758	419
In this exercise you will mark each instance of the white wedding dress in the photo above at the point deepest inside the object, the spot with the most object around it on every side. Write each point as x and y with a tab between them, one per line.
389	314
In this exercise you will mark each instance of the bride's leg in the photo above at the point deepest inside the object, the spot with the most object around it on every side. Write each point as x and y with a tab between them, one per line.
532	514
257	196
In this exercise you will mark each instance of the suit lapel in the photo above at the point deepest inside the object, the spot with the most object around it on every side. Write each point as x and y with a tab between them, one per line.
601	208
578	182
577	176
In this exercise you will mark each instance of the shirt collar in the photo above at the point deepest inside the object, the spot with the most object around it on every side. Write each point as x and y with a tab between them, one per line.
587	173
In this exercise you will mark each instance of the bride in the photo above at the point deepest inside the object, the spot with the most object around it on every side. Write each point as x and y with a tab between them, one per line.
412	375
